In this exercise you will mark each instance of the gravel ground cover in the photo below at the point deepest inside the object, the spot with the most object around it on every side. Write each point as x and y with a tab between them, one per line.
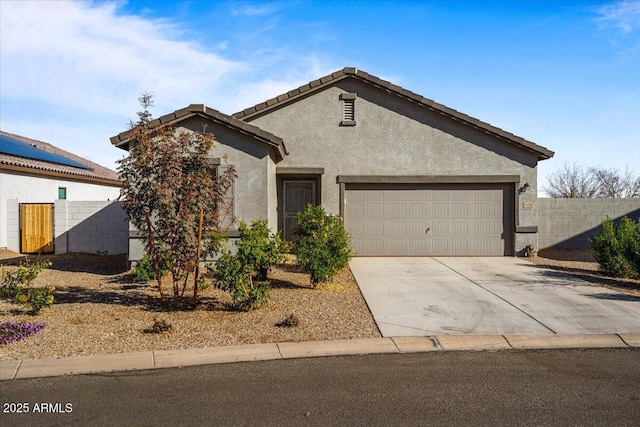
99	309
580	263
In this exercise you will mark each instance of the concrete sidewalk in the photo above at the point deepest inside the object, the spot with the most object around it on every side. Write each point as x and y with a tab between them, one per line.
35	368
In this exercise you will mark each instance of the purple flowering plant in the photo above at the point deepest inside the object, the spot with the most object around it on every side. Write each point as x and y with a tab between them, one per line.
11	331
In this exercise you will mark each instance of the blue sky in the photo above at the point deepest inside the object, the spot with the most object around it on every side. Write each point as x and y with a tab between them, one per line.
565	75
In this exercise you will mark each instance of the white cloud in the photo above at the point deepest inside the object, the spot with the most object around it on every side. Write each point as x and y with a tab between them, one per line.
71	72
291	73
85	55
624	15
250	10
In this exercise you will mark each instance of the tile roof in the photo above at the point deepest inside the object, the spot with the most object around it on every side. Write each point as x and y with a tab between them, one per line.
95	173
351	72
122	140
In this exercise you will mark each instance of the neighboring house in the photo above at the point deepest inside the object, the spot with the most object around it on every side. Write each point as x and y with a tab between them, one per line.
34	174
408	175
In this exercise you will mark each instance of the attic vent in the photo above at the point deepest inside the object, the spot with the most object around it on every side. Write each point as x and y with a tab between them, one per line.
348	109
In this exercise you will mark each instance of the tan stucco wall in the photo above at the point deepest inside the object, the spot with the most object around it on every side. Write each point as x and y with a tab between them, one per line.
254	188
393	137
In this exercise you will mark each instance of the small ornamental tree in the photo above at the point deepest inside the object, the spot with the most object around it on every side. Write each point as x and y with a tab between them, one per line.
175	196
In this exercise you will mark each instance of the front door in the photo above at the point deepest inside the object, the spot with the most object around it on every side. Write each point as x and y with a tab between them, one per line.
297	194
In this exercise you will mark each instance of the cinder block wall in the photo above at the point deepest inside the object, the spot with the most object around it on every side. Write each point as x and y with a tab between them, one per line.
568	223
90	227
137	248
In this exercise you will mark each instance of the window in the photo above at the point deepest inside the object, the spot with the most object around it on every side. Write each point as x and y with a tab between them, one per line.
348	109
227	213
62	193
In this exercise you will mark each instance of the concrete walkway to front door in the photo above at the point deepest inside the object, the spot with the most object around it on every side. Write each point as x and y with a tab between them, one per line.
420	296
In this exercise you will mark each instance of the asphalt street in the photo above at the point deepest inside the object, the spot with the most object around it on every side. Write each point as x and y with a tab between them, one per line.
552	387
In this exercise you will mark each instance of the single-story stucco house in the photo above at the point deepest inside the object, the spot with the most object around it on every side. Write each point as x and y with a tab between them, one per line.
408	175
33	175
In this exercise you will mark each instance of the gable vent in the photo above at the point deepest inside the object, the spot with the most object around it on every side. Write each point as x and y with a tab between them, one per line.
348	109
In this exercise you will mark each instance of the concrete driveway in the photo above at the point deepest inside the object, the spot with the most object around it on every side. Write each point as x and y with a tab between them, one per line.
456	295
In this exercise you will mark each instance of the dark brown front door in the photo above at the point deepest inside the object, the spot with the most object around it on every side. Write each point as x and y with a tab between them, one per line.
296	195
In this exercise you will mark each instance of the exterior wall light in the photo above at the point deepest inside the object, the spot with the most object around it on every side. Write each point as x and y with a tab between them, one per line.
524	188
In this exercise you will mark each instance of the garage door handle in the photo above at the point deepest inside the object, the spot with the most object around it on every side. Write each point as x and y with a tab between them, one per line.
427	230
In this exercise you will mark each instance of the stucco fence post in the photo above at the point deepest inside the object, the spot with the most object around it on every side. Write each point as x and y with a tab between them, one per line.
13	224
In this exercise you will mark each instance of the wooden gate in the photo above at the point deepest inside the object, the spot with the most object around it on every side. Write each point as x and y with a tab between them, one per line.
37	228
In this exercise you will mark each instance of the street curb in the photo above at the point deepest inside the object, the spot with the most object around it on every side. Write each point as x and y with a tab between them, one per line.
529	342
37	368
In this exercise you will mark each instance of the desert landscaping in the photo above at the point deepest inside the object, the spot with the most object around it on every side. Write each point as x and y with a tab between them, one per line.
100	309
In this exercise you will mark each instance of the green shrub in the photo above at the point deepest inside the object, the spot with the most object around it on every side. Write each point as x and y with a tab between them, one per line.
8	290
324	246
259	248
616	247
24	274
232	275
16	284
35	298
144	271
630	234
256	296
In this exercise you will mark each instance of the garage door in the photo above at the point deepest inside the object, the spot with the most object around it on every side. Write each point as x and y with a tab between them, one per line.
443	219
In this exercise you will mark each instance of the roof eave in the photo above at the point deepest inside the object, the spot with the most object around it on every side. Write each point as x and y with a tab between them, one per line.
319	84
57	174
94	171
122	139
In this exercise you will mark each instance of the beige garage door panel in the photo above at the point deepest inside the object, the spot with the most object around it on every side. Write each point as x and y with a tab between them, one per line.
465	219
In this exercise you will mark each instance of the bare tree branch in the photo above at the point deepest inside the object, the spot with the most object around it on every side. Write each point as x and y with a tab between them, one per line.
630	183
572	181
577	181
611	183
608	182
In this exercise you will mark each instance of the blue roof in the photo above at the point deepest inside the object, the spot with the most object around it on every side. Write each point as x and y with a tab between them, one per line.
17	148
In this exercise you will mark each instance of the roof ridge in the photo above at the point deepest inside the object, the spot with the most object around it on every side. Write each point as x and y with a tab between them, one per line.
122	139
346	72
